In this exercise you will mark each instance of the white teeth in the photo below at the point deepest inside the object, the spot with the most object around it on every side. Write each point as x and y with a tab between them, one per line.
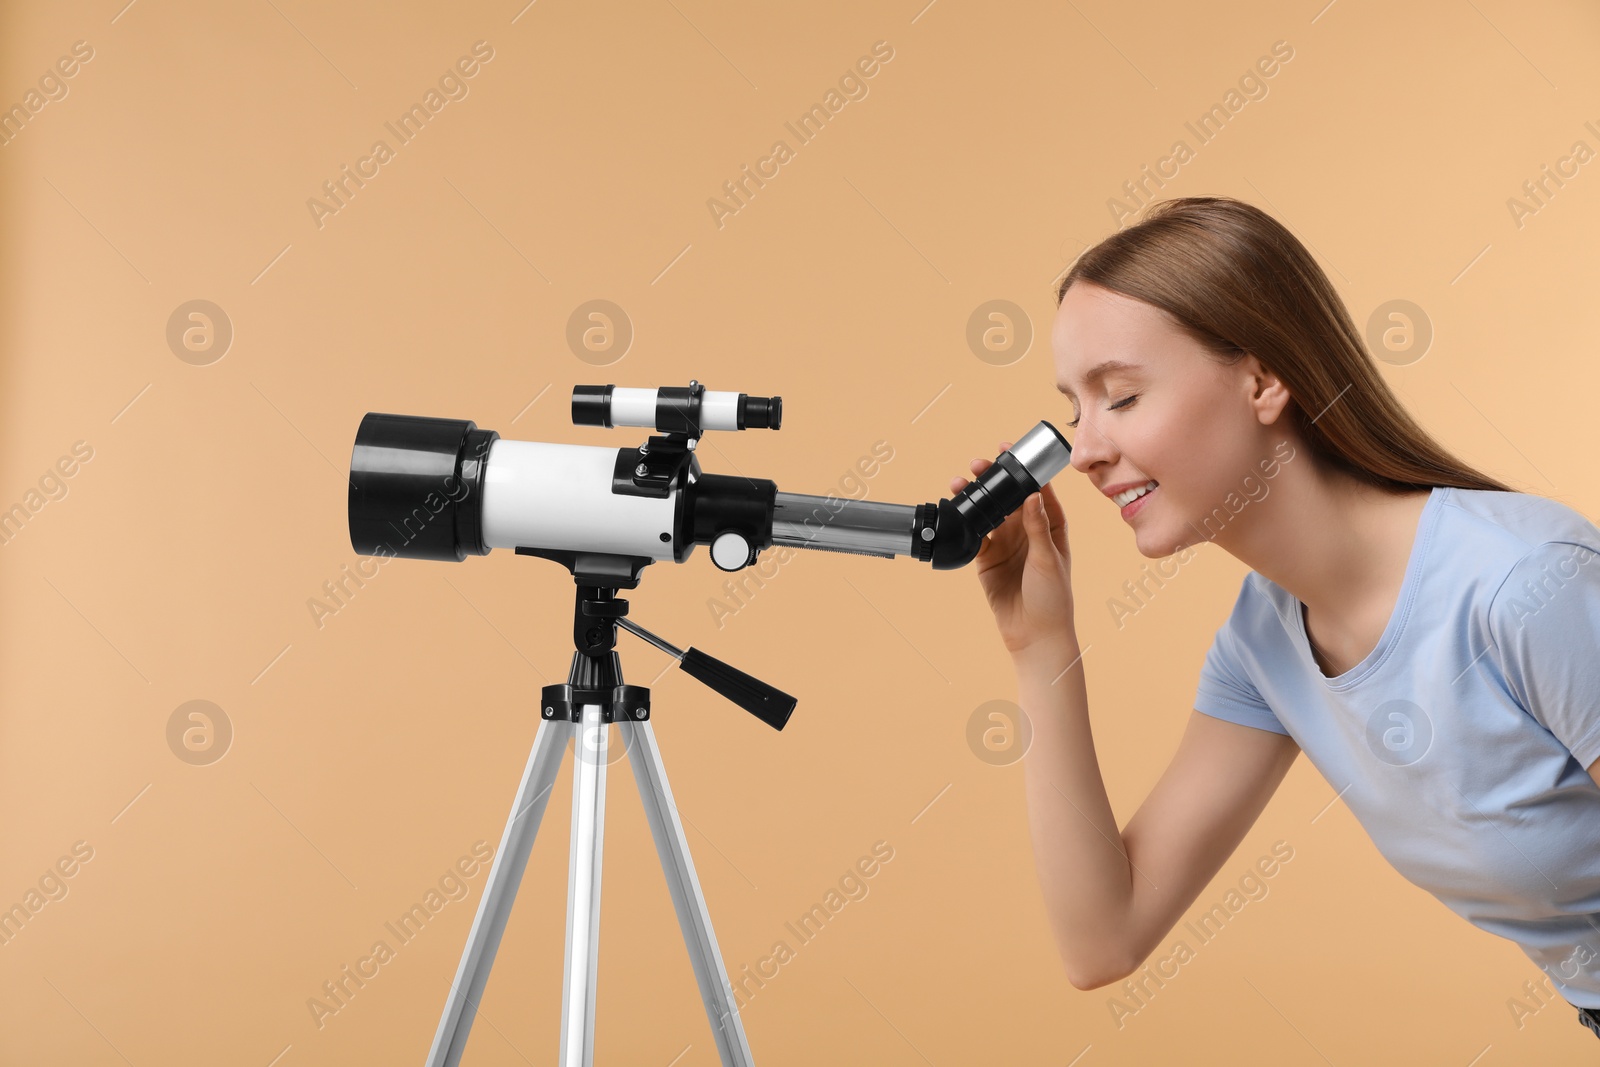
1123	499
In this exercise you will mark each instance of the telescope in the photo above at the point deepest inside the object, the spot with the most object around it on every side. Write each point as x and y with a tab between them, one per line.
434	488
442	489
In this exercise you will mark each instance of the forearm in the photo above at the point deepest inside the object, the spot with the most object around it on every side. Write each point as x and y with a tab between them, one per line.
1079	852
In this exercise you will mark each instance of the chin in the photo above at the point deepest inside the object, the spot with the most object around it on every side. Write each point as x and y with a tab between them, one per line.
1149	549
1159	544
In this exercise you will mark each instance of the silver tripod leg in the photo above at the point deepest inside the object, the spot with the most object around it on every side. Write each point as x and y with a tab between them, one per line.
583	889
500	891
651	774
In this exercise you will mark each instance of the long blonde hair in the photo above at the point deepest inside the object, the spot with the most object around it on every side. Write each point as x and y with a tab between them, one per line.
1237	281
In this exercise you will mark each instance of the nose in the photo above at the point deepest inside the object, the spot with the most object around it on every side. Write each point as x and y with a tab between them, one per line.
1090	447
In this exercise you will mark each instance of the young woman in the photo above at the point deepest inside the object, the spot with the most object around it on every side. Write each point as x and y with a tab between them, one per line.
1426	634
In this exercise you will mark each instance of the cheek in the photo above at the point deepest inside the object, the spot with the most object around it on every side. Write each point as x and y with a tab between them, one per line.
1166	447
1192	453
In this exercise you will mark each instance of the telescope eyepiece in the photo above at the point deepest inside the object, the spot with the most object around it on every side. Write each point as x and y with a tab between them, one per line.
760	412
961	523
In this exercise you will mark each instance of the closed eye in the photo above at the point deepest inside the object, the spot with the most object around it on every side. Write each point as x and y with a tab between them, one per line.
1073	425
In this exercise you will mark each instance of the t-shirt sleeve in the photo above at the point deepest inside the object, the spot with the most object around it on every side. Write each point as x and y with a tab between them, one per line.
1226	692
1544	627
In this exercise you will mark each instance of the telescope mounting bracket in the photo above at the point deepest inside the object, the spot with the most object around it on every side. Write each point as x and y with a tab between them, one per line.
653	467
606	569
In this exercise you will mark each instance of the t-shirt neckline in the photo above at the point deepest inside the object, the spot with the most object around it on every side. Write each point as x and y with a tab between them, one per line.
1397	618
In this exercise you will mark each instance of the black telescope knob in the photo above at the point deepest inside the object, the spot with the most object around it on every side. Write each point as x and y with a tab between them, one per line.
772	706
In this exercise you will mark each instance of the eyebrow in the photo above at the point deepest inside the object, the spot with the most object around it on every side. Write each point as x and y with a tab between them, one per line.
1100	371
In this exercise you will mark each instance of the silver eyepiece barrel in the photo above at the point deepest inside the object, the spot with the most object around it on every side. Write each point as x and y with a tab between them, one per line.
1043	452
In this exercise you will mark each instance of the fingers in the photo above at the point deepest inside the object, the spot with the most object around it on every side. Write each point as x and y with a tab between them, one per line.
980	465
1057	516
1043	532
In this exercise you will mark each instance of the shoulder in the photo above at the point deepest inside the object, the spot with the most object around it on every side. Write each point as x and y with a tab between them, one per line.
1484	543
1558	580
1513	523
1261	602
1527	550
1262	617
1513	530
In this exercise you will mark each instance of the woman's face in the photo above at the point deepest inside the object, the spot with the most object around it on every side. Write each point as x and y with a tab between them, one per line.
1175	415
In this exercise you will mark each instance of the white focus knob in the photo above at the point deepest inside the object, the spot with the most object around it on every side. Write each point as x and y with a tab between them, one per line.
730	550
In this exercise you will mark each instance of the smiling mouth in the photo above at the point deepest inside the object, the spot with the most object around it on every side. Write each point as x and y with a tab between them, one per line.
1138	492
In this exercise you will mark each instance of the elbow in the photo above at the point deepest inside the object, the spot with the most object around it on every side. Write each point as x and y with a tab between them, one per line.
1096	977
1087	981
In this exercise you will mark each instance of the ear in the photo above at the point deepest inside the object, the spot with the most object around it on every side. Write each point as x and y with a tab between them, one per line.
1268	394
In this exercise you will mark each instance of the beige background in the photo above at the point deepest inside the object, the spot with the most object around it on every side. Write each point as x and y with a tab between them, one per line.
369	754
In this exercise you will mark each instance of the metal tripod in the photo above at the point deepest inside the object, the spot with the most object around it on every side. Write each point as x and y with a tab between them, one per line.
580	711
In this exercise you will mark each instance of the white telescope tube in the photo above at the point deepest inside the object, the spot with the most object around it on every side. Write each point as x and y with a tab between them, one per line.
555	496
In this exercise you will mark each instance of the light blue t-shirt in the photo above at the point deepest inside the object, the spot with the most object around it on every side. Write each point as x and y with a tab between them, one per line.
1460	742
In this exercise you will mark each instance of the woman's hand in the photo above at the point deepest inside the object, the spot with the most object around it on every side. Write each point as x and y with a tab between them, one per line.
1025	568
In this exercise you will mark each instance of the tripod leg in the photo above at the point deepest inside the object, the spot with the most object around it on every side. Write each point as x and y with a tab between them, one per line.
549	746
693	918
583	889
